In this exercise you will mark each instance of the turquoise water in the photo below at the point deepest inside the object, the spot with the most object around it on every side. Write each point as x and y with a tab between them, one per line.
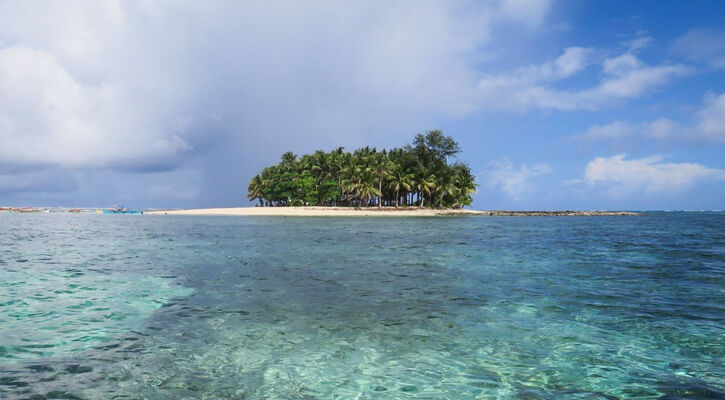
161	307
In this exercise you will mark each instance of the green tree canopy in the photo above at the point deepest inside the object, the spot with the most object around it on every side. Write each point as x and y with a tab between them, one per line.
417	174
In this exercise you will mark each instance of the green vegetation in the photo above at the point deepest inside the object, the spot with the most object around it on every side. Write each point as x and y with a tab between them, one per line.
418	174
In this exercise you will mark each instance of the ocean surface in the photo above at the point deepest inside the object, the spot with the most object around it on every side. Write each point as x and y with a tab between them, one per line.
173	307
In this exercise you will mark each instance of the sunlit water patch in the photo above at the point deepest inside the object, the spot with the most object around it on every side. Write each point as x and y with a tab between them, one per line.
335	308
54	312
67	287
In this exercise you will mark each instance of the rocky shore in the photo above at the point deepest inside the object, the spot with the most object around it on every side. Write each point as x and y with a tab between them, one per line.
504	213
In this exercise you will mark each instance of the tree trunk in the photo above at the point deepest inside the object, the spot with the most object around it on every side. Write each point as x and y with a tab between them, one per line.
380	189
396	198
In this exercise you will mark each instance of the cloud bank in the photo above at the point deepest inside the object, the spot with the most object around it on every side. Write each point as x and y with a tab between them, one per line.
535	87
74	95
650	176
140	86
708	126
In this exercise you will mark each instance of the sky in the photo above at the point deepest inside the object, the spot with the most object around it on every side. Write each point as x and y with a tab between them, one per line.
177	104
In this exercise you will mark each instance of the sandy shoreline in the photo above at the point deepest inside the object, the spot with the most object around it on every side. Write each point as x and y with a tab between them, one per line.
371	212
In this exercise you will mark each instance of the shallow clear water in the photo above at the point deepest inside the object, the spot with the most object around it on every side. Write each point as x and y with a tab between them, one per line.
161	307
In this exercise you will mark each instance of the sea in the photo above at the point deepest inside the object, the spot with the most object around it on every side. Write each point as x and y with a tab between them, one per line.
187	307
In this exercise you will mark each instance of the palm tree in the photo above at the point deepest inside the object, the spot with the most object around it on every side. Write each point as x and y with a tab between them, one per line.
256	190
442	188
289	157
366	188
426	182
465	183
382	166
400	180
350	176
339	160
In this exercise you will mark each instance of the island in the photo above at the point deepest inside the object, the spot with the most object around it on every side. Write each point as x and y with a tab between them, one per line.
420	179
420	174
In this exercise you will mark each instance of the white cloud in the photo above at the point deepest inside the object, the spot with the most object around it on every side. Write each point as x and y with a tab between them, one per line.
711	119
708	126
620	177
660	129
620	65
630	78
623	77
642	41
48	117
573	60
702	45
515	182
532	12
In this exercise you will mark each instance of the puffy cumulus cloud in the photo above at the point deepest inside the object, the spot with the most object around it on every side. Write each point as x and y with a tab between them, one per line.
49	118
515	182
705	46
149	86
708	126
623	77
619	177
628	77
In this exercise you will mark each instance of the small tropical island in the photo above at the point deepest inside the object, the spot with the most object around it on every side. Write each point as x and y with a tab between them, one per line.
420	174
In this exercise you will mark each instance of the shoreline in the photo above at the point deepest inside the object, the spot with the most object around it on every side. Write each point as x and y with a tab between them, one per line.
375	212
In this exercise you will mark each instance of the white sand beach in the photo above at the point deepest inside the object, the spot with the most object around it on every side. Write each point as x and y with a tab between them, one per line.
318	212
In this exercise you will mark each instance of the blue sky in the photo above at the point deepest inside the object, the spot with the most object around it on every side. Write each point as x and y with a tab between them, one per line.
557	105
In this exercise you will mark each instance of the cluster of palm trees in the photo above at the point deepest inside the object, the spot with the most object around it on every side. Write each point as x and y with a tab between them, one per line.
418	174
